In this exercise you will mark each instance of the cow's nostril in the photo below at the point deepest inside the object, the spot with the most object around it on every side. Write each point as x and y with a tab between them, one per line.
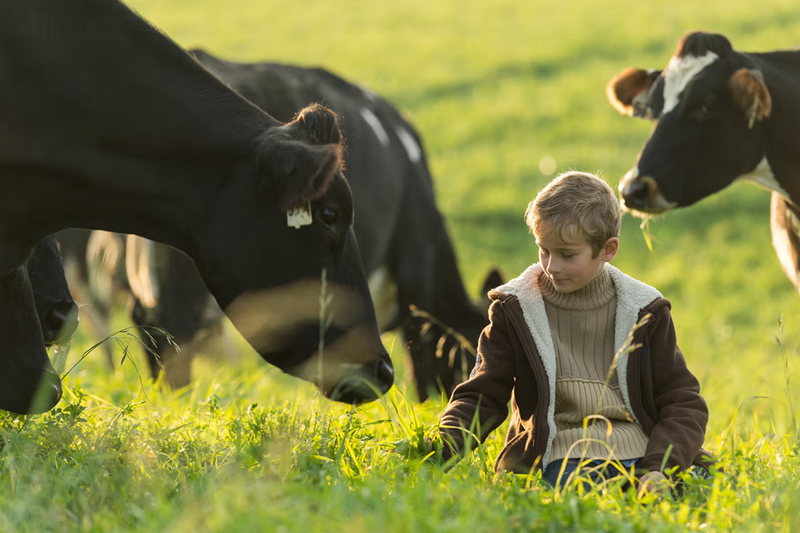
637	194
60	323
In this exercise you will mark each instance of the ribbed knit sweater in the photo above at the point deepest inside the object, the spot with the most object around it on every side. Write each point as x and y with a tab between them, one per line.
582	327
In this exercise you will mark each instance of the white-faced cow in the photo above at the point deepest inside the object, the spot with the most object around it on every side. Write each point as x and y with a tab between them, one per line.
36	311
107	124
720	116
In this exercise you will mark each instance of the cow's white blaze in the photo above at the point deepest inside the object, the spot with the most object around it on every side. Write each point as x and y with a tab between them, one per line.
383	290
375	123
763	176
679	72
410	144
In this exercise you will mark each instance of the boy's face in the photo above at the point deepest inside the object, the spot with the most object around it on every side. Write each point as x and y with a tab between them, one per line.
570	266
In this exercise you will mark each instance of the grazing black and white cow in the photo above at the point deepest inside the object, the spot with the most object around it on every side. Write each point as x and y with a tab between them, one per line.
36	311
720	116
126	132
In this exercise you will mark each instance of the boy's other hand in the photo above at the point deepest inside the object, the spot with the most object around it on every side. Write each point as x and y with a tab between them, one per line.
654	483
405	448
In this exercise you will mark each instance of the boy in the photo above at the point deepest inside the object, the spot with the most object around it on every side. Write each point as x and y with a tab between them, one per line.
550	349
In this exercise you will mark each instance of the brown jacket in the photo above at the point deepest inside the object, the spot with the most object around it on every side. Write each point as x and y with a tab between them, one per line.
516	362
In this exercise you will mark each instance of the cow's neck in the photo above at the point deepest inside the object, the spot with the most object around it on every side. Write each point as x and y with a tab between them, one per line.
105	123
782	76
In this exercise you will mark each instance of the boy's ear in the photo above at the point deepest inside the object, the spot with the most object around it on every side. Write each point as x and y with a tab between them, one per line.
610	249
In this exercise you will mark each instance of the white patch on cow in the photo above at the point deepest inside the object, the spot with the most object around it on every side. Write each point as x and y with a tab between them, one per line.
411	145
762	176
383	290
141	271
299	216
680	71
374	123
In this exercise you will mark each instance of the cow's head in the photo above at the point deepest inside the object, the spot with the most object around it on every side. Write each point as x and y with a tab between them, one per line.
28	383
58	312
708	107
279	254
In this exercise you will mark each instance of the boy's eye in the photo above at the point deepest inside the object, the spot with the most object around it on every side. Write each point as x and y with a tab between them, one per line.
567	256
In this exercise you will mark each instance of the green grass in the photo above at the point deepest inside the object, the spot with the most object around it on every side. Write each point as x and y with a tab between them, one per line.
493	88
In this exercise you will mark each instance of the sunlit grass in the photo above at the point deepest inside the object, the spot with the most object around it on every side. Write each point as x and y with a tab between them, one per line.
245	448
493	88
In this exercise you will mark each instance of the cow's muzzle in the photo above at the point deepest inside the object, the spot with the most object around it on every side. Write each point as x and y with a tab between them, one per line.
641	194
32	392
366	384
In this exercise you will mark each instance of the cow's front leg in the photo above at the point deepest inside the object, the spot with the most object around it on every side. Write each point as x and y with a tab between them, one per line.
785	227
413	275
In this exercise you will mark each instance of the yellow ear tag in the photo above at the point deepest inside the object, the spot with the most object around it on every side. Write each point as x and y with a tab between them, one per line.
300	216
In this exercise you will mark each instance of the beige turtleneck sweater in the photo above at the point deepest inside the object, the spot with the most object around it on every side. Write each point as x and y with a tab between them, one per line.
582	327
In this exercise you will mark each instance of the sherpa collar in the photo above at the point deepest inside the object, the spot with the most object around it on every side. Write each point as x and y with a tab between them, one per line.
632	296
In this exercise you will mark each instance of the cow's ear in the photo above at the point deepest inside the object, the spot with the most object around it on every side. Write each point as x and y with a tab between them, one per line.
750	93
295	173
628	90
298	163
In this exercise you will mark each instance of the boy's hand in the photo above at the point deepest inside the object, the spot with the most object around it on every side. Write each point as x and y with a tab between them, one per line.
408	449
654	483
405	448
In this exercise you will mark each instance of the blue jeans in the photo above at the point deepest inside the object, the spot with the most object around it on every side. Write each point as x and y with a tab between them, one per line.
597	475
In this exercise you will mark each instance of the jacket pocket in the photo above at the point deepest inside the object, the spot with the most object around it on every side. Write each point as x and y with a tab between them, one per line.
511	457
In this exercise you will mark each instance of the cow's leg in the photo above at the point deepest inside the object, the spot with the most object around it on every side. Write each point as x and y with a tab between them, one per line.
785	226
413	265
163	355
414	283
177	365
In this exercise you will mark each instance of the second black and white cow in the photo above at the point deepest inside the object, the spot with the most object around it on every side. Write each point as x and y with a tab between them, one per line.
720	116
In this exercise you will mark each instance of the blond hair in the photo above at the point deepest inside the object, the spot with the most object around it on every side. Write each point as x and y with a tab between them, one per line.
576	206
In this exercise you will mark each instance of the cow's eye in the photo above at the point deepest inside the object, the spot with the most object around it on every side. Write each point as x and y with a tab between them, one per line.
702	113
328	216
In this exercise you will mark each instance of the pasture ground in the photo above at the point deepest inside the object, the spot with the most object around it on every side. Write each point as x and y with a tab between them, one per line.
503	93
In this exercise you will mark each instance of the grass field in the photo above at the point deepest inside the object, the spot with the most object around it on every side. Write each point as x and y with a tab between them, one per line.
498	91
